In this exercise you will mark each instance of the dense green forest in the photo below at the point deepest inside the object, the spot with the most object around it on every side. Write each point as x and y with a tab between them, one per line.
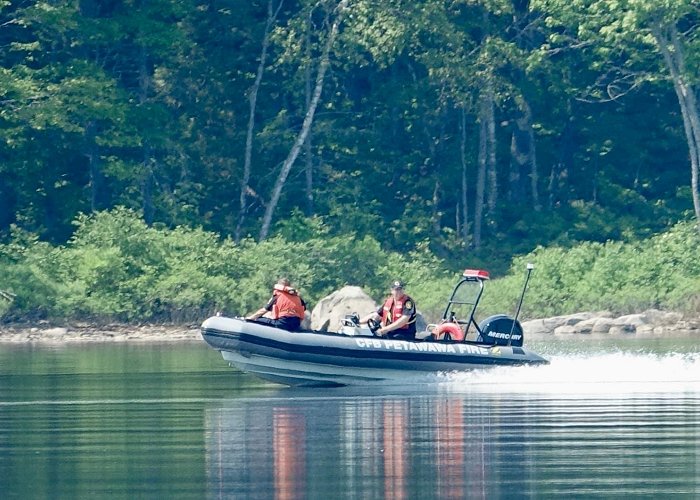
462	133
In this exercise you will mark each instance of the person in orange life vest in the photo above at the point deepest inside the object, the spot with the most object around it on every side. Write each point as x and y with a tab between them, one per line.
285	309
397	315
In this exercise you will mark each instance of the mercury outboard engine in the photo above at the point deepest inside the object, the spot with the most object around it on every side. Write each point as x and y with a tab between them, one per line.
501	330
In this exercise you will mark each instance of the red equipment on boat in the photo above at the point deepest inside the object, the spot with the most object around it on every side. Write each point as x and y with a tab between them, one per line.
448	331
476	273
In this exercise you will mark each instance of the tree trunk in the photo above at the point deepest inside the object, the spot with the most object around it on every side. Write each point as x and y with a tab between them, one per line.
667	37
93	156
147	175
91	9
465	200
481	173
491	141
435	211
517	160
252	100
523	147
147	186
523	159
534	178
308	120
567	144
308	153
552	186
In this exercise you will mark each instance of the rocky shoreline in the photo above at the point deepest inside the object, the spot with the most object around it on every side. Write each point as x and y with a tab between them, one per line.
648	324
52	334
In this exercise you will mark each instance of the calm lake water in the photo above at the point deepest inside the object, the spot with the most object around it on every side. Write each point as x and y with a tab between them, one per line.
605	419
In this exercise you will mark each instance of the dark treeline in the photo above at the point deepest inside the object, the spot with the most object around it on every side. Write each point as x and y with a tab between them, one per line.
480	126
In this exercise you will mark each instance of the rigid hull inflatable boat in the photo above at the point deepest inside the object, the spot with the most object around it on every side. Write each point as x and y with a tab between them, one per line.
318	358
355	355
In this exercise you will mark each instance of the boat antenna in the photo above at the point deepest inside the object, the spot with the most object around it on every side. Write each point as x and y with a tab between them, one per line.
530	267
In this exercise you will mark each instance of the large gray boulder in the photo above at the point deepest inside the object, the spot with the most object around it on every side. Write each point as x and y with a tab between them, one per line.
332	308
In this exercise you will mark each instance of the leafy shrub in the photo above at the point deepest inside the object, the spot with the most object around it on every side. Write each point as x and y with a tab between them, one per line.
661	272
26	267
115	267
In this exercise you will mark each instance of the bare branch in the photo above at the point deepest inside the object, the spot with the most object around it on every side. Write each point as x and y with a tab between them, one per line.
572	46
614	84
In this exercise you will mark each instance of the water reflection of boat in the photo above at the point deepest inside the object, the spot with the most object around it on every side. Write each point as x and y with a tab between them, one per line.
354	356
289	443
584	427
374	448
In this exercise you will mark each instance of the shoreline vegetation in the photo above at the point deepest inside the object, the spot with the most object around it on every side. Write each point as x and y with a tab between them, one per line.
120	279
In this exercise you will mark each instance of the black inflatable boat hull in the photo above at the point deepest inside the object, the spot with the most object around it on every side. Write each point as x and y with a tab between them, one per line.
319	358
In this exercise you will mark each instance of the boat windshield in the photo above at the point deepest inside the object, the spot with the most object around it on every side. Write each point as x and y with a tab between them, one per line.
463	301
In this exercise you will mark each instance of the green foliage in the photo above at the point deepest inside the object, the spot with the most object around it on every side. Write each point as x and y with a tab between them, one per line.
661	272
115	267
25	272
145	105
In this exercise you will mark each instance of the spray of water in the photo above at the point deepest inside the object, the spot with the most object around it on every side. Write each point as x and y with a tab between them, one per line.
613	373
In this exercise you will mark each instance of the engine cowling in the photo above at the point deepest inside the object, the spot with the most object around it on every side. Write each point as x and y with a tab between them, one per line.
501	330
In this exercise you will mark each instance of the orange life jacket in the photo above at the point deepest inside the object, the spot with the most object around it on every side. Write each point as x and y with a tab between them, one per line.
397	310
288	303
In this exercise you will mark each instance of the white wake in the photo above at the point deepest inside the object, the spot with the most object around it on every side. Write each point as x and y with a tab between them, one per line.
612	373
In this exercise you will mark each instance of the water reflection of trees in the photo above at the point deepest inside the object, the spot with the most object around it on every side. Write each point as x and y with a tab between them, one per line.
376	448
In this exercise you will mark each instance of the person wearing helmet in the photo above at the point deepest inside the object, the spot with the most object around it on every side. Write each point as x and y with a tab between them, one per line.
285	309
397	316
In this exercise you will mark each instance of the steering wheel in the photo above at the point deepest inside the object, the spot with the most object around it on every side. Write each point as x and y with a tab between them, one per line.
373	326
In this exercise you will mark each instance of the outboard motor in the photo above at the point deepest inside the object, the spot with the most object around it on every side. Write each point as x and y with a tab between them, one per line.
501	330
